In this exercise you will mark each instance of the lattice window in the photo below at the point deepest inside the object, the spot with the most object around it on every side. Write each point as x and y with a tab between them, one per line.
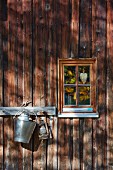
77	85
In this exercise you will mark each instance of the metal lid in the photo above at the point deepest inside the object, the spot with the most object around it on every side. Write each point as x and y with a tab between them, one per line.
23	117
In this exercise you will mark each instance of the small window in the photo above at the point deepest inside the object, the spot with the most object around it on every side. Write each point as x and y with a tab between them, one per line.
77	86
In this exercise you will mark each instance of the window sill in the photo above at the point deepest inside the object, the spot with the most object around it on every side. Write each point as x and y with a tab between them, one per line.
78	115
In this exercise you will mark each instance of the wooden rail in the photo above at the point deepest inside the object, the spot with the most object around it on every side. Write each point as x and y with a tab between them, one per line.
11	111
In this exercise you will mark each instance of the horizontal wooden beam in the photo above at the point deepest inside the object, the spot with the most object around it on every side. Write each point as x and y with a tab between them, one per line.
11	111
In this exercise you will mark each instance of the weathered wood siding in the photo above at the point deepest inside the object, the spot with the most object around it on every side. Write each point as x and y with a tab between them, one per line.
33	35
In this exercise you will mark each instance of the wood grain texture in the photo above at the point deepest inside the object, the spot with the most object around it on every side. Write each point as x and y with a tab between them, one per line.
51	81
40	73
99	32
26	24
4	86
1	11
1	96
61	145
48	50
74	28
27	50
81	142
33	36
87	145
65	21
19	70
76	145
85	34
1	143
65	144
52	145
85	45
109	84
39	53
19	53
10	149
1	64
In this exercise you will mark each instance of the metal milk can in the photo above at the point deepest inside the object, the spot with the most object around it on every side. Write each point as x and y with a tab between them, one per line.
23	128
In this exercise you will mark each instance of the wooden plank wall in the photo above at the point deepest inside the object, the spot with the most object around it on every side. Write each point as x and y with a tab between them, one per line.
33	35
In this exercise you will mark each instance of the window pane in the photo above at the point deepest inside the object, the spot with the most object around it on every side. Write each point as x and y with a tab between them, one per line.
84	74
69	75
84	95
69	95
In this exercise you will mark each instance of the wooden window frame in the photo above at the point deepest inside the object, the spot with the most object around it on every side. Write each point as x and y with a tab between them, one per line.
77	111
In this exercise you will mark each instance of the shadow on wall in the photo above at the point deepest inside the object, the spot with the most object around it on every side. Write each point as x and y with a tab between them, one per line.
3	10
34	143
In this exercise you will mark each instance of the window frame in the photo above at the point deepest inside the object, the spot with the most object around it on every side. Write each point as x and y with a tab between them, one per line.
81	110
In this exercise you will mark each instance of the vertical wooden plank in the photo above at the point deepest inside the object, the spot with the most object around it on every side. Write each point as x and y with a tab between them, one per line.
81	142
1	94
50	45
63	28
53	61
1	63
85	29
66	156
75	28
99	49
94	145
37	90
11	53
48	48
51	81
65	17
70	143
19	54
19	70
87	145
5	68
94	54
58	31
52	146
76	147
1	11
39	96
27	47
65	144
61	144
109	84
10	148
5	60
1	144
39	53
94	8
55	143
27	71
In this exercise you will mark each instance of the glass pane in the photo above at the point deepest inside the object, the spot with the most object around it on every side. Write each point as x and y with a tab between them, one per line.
84	95
84	74
69	95
69	75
